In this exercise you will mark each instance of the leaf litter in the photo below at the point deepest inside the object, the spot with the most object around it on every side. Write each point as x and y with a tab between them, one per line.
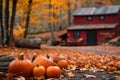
82	65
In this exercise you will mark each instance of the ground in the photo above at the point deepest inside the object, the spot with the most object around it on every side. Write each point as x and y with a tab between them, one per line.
85	62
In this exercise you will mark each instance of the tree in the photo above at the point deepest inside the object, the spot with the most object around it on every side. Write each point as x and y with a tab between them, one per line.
7	28
12	20
50	24
7	22
69	13
28	18
1	23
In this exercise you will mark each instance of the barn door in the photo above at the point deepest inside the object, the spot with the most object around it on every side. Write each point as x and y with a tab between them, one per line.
91	37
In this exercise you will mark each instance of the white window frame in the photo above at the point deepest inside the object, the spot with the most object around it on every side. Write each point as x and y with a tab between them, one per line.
102	17
76	33
89	18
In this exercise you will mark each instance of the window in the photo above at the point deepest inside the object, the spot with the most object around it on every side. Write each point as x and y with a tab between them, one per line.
89	18
76	33
102	17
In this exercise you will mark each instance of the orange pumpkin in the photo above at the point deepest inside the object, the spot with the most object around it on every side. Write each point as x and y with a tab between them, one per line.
63	64
39	71
22	67
43	61
53	72
56	59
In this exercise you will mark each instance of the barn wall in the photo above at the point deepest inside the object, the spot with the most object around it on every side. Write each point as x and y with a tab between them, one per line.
83	35
117	30
71	38
113	18
101	38
118	27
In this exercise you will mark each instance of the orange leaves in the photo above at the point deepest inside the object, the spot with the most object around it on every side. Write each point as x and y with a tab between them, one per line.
117	78
76	58
70	74
40	11
98	65
18	32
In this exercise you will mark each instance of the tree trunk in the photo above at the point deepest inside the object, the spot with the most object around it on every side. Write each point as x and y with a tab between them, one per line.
27	19
61	22
28	43
12	20
1	23
7	22
69	13
50	24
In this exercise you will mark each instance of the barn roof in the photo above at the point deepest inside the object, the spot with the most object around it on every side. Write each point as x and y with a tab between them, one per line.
92	26
97	10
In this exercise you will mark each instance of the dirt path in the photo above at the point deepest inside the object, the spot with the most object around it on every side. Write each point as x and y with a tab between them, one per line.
93	49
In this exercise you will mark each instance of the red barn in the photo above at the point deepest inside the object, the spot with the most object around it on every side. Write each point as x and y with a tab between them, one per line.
94	25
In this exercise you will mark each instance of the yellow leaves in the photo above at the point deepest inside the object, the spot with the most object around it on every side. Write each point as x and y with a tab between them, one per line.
18	32
70	74
99	65
22	4
40	10
111	68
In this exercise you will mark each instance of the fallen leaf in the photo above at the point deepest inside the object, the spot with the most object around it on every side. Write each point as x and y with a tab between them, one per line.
89	76
117	78
20	78
71	74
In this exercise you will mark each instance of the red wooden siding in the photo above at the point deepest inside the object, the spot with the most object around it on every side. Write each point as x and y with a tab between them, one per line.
101	38
117	30
71	38
83	34
111	18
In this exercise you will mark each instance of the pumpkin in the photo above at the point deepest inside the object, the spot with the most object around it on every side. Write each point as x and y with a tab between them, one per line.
53	72
56	59
43	61
38	71
22	67
63	64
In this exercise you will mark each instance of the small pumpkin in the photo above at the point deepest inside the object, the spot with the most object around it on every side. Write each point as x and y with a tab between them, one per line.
53	72
22	67
56	59
38	71
63	64
43	61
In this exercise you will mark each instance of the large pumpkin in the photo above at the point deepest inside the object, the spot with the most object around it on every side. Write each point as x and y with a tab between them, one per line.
43	61
22	67
53	72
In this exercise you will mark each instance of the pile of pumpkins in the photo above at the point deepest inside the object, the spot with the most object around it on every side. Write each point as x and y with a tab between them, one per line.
40	66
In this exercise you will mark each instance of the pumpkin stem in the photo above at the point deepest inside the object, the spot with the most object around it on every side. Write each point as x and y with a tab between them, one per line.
37	65
34	57
21	56
47	55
